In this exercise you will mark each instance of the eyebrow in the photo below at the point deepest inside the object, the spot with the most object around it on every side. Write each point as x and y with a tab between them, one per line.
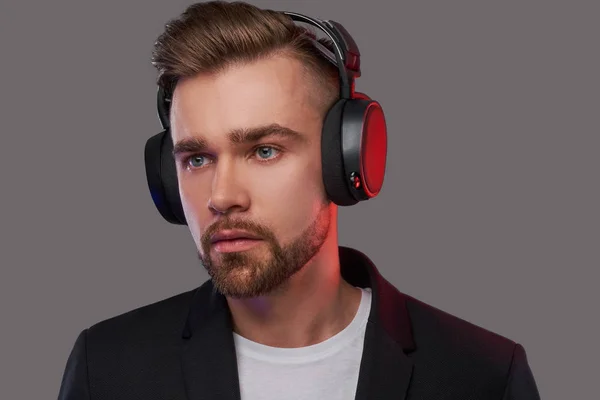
238	136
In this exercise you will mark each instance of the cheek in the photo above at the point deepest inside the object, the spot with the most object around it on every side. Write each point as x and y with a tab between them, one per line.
290	197
194	201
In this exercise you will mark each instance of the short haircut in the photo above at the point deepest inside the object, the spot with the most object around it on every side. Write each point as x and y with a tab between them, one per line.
209	37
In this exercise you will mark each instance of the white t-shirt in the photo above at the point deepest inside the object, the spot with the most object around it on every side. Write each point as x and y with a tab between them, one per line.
326	370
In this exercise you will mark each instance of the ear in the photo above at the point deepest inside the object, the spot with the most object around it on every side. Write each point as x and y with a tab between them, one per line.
362	96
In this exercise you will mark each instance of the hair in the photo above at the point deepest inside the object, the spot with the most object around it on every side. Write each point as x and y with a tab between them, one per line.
209	37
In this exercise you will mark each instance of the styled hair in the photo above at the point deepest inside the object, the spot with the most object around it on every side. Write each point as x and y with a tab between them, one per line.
209	37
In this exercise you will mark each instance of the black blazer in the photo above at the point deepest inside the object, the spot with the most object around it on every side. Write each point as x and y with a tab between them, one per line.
181	348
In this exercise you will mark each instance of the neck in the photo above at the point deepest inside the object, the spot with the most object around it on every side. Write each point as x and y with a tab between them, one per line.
315	304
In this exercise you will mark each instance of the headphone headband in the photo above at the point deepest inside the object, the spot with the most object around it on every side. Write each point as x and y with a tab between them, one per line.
346	55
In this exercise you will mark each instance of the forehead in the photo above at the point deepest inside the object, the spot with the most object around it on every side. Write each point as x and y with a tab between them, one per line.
270	91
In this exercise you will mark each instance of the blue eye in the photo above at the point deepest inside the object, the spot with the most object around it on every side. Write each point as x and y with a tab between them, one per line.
196	158
267	153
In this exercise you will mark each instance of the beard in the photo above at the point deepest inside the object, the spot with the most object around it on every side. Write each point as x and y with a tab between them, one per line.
251	273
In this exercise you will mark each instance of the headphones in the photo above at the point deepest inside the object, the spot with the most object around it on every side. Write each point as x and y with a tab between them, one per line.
353	140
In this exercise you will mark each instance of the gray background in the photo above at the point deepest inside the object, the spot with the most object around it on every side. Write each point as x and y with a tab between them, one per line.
489	209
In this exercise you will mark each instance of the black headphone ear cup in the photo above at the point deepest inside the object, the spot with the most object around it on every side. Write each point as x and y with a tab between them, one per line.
161	175
332	161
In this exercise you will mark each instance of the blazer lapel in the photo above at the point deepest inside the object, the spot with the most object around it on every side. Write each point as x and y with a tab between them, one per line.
208	358
385	369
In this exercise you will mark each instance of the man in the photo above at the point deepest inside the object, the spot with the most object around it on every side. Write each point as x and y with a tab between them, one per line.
287	313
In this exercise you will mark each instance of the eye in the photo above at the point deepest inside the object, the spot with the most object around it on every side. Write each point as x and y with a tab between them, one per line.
194	161
265	152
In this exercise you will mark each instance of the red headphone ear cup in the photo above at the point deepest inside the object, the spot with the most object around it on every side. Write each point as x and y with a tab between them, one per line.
374	149
364	147
374	146
361	96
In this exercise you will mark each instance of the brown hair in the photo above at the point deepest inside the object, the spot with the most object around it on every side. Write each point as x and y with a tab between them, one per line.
210	36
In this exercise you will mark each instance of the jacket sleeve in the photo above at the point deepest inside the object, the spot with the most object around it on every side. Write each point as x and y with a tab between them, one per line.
75	384
521	383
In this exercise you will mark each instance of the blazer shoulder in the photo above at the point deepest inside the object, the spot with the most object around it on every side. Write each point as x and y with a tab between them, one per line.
158	318
469	354
426	314
451	336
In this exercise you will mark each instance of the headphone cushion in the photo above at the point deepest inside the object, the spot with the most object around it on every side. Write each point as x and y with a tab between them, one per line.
332	160
169	178
161	175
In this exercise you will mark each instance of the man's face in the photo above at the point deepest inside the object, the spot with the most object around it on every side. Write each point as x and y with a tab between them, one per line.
270	186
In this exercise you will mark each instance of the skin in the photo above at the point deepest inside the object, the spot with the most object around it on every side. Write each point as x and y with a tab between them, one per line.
287	290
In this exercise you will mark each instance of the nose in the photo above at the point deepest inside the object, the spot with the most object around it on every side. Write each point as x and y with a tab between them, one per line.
228	191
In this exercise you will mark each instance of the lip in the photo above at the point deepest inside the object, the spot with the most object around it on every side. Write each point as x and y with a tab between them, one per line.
234	246
231	234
